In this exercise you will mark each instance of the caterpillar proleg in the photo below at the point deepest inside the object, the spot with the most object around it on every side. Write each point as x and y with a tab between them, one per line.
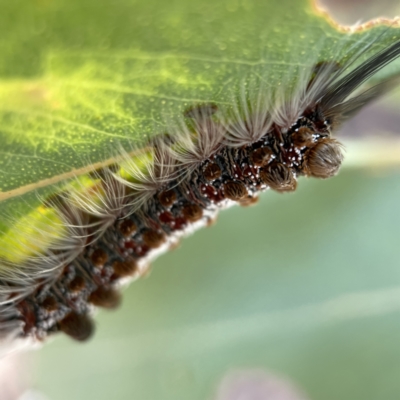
103	229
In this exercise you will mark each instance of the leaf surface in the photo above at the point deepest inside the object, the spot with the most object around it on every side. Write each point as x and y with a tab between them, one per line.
80	80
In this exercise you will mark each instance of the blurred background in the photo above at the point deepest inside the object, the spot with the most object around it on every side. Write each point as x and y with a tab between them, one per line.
297	298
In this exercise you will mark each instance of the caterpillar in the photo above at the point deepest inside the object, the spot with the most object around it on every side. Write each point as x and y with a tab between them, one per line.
102	230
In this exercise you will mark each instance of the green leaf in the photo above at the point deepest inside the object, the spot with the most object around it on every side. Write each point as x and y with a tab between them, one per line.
80	79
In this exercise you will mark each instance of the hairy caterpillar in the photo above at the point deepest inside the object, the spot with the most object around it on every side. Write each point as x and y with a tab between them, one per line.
106	227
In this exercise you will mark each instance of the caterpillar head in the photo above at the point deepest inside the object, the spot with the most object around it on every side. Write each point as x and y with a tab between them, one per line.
323	159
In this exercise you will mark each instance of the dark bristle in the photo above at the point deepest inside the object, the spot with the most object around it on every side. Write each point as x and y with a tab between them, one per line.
338	90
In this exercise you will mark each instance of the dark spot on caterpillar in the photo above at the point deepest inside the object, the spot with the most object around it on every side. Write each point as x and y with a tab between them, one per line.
127	227
166	217
212	193
77	284
77	326
167	198
153	239
203	110
125	268
278	177
261	156
99	258
212	171
324	159
105	297
235	190
303	137
192	212
179	223
50	304
140	250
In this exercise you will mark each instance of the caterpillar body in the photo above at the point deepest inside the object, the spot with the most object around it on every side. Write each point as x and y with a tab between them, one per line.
138	207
